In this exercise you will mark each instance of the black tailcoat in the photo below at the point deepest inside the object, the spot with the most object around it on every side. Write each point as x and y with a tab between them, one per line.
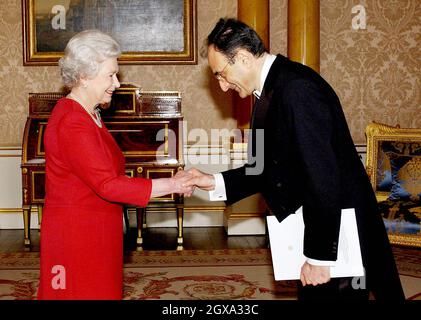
310	160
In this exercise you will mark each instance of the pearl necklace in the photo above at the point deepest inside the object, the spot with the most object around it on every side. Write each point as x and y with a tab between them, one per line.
96	118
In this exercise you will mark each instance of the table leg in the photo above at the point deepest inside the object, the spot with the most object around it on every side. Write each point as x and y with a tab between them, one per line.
27	225
180	216
140	215
144	219
39	207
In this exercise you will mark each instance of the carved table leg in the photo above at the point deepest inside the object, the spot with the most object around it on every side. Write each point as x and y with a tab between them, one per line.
140	212
180	216
27	225
40	207
144	219
126	220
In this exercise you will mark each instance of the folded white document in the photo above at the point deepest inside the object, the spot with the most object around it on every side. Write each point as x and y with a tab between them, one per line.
286	244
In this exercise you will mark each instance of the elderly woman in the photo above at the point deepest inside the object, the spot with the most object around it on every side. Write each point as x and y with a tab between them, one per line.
82	232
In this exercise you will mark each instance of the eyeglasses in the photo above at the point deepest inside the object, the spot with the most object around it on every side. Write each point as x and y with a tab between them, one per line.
218	74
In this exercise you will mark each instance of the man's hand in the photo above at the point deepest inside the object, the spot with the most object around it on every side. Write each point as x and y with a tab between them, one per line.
179	182
200	179
314	275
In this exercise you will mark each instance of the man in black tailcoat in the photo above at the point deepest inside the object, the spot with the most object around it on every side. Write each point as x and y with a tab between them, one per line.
310	161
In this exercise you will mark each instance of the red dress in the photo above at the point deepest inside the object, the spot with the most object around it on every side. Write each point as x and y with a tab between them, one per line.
82	226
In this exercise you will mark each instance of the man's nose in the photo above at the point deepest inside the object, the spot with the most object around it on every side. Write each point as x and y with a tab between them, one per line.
224	85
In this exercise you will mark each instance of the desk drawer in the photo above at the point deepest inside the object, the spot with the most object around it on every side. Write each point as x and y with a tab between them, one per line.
146	141
37	186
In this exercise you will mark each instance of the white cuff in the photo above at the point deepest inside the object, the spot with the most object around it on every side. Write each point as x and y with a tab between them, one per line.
219	193
322	263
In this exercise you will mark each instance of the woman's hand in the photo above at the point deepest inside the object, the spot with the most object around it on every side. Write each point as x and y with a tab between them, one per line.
180	183
176	184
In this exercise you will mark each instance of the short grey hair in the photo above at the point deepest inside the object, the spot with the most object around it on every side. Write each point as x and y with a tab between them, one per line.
84	54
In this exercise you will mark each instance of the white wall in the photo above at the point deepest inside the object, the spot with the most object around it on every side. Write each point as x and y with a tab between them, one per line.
11	190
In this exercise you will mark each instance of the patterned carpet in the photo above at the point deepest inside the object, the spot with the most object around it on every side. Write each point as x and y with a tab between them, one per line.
233	274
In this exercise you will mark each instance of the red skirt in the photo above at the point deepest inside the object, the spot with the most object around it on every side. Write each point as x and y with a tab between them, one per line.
81	254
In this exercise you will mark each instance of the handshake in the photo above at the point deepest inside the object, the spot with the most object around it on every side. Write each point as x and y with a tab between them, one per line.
185	181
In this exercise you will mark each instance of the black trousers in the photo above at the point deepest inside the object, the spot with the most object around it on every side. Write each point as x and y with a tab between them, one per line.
336	289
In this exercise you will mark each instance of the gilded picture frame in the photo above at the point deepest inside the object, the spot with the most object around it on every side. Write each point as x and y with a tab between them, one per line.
376	134
149	31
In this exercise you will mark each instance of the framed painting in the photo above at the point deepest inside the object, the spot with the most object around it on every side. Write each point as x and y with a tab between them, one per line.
149	31
393	165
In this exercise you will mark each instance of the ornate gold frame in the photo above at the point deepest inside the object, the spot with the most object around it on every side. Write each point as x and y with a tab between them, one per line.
188	56
376	132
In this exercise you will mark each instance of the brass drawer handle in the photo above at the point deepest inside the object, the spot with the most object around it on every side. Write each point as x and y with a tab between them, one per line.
139	169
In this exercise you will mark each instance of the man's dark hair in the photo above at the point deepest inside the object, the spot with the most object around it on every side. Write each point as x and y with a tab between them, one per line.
229	35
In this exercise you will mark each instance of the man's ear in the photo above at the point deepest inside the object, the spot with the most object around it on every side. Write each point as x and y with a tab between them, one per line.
245	57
